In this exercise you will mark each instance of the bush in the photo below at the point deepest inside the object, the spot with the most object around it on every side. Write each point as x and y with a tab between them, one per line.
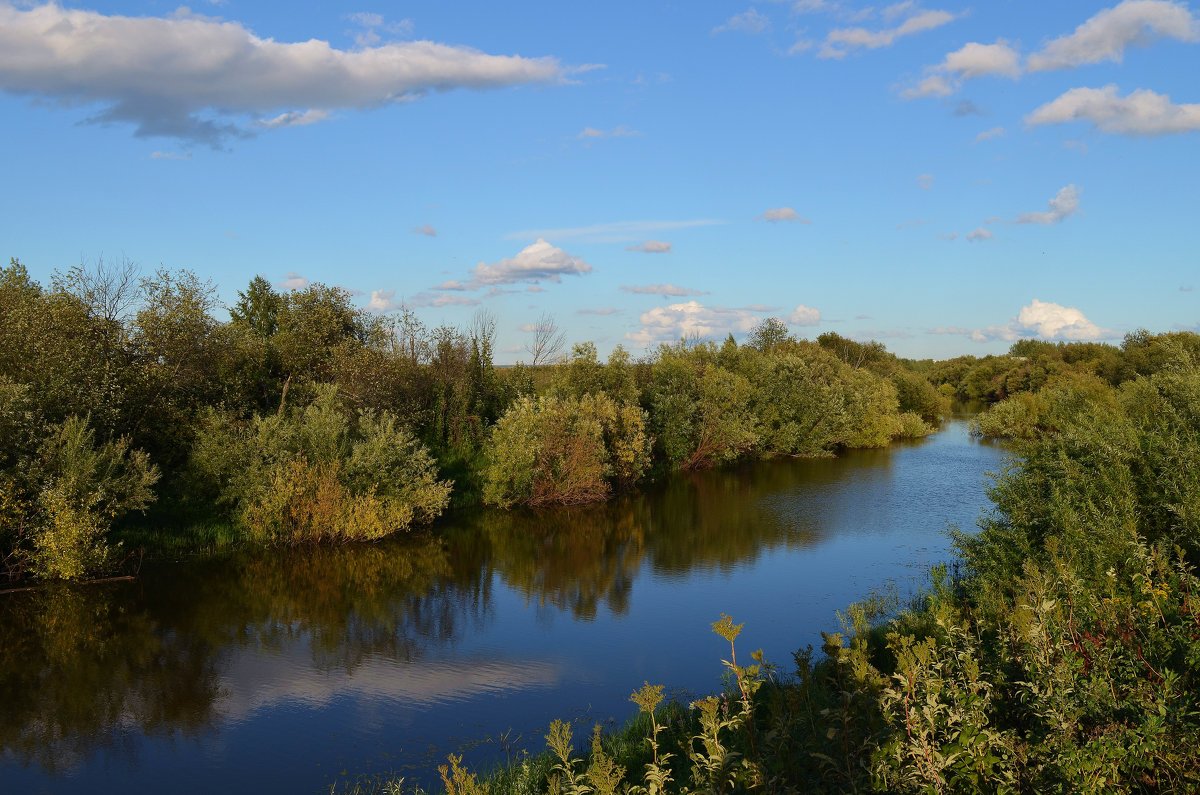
563	451
318	474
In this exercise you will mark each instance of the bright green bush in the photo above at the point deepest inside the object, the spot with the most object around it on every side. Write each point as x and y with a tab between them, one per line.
318	473
913	427
83	487
553	450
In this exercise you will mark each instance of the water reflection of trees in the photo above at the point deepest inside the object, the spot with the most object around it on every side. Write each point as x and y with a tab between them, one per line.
92	668
578	559
80	667
84	668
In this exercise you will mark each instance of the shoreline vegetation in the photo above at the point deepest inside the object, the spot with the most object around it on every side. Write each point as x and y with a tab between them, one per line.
1061	652
131	419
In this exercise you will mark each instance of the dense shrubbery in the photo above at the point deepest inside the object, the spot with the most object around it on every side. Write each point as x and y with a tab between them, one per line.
318	474
552	450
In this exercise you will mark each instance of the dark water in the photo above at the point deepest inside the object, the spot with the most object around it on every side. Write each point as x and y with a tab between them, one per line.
289	671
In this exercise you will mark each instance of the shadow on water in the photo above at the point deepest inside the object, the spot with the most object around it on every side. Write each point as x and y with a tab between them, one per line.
410	643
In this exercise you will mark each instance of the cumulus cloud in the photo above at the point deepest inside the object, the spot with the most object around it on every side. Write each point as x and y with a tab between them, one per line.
1106	35
651	247
539	261
777	214
383	301
1042	319
425	229
970	61
293	281
804	316
200	79
1143	112
842	41
750	21
979	234
1064	204
691	319
661	289
614	232
988	135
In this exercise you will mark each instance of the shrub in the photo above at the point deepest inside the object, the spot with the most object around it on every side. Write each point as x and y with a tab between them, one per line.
554	450
319	473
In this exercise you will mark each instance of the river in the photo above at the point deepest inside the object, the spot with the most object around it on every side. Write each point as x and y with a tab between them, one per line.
296	670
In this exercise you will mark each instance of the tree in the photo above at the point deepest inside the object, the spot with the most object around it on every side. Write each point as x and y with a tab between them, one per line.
768	334
258	308
548	341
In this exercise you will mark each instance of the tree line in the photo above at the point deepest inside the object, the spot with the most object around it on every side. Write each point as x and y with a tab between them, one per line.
125	401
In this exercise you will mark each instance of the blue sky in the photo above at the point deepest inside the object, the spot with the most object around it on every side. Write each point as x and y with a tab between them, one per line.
941	177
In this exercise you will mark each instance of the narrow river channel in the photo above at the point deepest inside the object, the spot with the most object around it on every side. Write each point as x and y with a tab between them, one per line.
296	670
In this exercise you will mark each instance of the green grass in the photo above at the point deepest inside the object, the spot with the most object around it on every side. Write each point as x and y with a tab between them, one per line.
202	538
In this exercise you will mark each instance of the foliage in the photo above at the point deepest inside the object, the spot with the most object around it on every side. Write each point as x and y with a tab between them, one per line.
319	473
553	450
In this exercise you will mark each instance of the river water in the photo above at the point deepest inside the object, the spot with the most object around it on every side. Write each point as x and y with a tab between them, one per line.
298	670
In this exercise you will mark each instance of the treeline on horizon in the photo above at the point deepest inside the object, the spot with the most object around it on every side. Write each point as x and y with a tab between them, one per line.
124	402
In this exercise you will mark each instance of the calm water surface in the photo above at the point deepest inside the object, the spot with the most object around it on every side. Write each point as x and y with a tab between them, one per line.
292	671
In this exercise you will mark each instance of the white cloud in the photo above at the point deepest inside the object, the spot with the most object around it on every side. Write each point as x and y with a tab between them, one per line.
539	261
294	118
1054	321
966	63
425	229
620	131
651	247
988	135
383	301
841	41
777	214
691	319
1143	112
1042	319
614	232
661	289
170	155
1106	35
979	234
200	79
1064	204
804	316
293	281
925	181
750	21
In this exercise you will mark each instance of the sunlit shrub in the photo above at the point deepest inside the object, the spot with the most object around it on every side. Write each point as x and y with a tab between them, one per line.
86	487
553	450
319	473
